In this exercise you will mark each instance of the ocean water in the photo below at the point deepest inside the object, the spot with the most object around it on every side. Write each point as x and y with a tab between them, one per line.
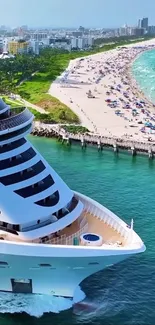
125	293
143	70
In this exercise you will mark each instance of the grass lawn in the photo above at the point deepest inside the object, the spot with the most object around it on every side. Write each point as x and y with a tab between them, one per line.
75	129
57	116
36	91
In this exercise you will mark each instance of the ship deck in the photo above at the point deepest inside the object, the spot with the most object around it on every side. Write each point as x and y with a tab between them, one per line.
86	223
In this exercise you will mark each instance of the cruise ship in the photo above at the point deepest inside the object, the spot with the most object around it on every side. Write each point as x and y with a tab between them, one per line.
51	237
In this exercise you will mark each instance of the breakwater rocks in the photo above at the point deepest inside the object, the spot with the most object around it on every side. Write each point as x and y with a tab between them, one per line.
44	132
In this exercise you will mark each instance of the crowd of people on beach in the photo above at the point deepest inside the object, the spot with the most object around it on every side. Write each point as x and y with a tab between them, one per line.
108	77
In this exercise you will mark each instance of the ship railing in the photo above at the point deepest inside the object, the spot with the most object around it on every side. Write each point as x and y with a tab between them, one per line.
110	219
70	239
57	241
64	240
82	221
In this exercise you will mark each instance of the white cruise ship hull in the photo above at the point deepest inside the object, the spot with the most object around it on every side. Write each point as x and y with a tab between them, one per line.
24	274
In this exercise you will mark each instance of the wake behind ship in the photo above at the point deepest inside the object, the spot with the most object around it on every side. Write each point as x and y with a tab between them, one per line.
51	238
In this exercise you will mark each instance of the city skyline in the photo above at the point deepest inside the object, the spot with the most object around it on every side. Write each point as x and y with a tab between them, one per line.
63	13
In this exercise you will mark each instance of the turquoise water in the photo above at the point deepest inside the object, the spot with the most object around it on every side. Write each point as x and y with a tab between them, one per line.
123	294
144	72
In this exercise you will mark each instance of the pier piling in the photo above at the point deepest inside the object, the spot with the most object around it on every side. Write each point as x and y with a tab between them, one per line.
115	146
133	151
99	145
150	153
83	143
66	138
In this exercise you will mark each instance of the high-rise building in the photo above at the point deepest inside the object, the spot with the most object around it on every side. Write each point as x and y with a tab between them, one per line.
145	23
139	23
1	46
151	30
139	32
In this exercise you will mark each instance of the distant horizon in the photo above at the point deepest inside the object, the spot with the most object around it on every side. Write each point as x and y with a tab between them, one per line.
56	13
59	27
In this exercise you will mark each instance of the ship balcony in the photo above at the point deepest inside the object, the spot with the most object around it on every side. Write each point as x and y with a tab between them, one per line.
18	118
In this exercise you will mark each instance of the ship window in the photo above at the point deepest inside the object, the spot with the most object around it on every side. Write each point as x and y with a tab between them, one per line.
23	175
13	134
4	228
3	263
36	188
16	227
49	201
45	265
12	145
70	207
13	161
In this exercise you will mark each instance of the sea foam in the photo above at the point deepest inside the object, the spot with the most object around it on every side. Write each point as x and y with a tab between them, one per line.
37	305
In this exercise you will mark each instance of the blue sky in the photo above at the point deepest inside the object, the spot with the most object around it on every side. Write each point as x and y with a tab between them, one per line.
70	13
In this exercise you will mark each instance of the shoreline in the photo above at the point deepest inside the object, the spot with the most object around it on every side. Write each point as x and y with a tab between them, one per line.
135	84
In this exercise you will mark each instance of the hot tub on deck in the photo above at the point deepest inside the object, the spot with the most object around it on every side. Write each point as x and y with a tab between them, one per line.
91	239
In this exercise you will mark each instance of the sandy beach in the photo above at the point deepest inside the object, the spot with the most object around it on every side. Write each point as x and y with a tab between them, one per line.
101	91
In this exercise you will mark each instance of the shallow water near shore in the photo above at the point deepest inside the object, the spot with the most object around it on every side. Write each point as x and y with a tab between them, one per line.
125	293
143	70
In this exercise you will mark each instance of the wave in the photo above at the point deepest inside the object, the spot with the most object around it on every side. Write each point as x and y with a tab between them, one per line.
143	71
37	305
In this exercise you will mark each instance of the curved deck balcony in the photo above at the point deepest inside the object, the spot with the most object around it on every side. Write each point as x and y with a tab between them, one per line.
19	117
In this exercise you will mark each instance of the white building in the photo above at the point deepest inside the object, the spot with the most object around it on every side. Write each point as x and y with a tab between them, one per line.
34	45
38	36
82	42
74	43
46	41
90	41
61	45
124	31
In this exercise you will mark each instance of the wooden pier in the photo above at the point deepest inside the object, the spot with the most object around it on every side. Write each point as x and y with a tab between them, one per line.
100	142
